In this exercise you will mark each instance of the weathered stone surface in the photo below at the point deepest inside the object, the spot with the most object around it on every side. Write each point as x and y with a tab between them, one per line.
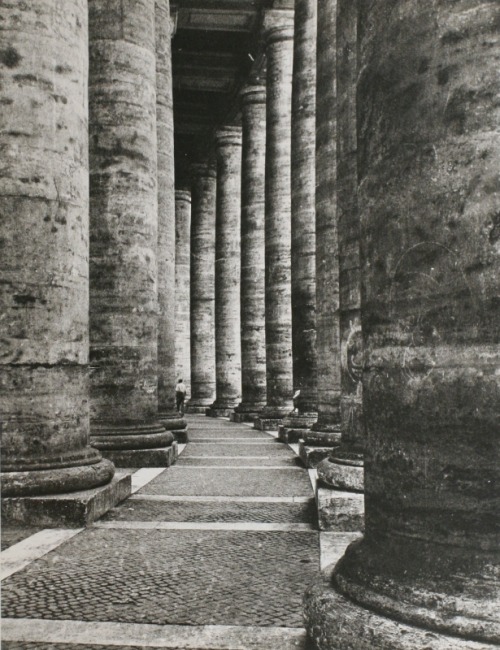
166	250
153	457
123	226
339	510
44	251
279	51
253	309
182	287
303	209
429	147
73	509
327	270
342	472
293	426
227	272
334	622
203	190
312	456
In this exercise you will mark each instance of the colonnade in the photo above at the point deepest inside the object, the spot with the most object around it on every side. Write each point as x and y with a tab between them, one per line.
377	301
344	244
88	227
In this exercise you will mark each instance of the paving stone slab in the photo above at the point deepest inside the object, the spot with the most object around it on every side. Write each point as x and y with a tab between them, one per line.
224	461
214	512
276	450
185	481
169	577
13	534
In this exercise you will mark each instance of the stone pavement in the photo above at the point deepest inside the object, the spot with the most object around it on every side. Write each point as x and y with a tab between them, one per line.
214	552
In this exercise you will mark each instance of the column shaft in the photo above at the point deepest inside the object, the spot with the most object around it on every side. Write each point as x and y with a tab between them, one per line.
203	192
344	469
326	432
279	367
428	160
253	308
303	219
227	272
182	280
44	252
123	229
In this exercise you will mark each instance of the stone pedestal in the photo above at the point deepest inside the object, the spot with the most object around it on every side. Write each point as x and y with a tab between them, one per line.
44	260
166	250
278	27
303	176
182	289
123	230
312	455
253	309
69	509
227	272
203	190
431	386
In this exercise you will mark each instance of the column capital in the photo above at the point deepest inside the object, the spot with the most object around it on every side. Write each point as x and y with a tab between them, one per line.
278	25
228	136
253	94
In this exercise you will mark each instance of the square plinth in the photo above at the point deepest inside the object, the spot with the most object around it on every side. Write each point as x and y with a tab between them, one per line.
312	456
71	509
340	510
266	424
156	457
242	417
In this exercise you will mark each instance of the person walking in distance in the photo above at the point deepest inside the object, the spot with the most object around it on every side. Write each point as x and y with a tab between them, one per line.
180	396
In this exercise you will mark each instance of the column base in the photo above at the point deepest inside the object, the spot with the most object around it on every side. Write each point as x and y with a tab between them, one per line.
271	417
59	480
135	458
312	456
71	510
294	425
198	405
222	411
343	471
117	436
323	435
246	412
334	622
175	423
339	511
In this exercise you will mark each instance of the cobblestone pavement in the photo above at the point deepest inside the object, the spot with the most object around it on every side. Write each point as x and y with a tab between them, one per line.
198	577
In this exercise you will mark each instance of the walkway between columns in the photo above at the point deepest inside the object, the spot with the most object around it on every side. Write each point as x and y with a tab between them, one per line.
214	552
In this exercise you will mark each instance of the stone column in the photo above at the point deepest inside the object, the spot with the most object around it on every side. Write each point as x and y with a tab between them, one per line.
227	272
303	269
428	160
278	33
343	470
325	434
253	309
124	236
44	258
182	289
203	191
167	413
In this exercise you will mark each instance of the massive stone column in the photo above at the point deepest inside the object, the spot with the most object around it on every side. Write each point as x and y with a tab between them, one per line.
182	289
124	236
44	258
278	33
253	308
303	247
167	413
227	272
325	434
343	470
428	161
203	192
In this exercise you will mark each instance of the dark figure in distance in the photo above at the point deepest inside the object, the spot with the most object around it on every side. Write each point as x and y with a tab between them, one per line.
180	396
